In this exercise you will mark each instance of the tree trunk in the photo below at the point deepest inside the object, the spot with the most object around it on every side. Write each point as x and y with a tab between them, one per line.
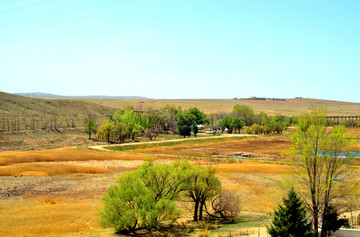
316	222
196	210
201	210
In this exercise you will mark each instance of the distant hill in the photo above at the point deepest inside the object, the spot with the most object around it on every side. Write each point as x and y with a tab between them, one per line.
23	111
289	107
41	95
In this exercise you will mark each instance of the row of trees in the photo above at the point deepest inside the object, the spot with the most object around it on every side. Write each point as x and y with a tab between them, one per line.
129	124
35	124
146	198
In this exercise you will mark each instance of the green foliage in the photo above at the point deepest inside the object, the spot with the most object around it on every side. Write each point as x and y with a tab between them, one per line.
248	130
226	123
199	117
256	129
106	130
152	123
290	218
90	126
244	112
142	200
195	130
317	156
331	219
202	184
184	122
145	199
237	124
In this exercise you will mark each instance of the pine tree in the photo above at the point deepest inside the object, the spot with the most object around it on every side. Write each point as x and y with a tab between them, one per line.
290	218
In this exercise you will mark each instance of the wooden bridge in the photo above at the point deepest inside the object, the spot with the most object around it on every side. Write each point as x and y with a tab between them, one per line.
343	117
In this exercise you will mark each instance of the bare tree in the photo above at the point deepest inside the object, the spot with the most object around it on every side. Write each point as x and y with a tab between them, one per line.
226	205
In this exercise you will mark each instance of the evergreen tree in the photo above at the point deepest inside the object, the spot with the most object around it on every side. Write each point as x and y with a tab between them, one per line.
331	220
290	218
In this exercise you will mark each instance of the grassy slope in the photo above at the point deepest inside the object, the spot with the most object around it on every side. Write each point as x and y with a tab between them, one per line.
20	107
290	107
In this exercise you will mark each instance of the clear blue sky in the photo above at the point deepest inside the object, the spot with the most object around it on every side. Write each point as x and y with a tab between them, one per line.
182	49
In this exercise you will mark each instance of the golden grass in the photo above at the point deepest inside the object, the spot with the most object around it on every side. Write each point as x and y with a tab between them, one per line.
47	169
63	154
291	107
46	217
256	168
262	145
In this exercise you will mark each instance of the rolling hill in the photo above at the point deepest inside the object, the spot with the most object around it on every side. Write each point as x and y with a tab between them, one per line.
41	95
17	109
288	107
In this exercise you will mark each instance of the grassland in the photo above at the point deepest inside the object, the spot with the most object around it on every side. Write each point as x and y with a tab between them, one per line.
25	111
57	192
290	107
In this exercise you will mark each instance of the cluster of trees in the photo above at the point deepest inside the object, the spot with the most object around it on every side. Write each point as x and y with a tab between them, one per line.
255	124
146	198
128	123
343	122
324	179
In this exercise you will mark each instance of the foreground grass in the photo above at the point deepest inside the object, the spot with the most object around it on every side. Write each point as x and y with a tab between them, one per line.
48	216
47	162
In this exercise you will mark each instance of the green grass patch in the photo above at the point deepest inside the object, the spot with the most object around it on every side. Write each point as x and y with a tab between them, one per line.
169	143
246	221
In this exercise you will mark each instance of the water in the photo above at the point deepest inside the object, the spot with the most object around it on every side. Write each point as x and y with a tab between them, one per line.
355	154
343	154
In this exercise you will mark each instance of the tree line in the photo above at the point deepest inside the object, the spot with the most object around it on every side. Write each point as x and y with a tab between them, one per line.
130	124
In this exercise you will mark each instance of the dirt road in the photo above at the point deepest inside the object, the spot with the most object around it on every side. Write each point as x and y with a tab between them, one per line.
103	147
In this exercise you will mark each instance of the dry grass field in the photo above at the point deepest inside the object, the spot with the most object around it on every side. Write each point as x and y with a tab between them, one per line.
290	107
57	192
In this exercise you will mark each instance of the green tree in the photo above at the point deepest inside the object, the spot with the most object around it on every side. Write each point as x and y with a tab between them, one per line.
332	222
244	112
144	199
225	123
152	123
130	206
184	122
317	156
90	126
195	130
290	218
198	116
202	184
106	130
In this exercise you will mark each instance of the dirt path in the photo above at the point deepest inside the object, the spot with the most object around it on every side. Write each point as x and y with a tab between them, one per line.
102	147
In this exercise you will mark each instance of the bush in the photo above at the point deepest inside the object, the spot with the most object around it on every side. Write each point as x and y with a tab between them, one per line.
133	204
248	130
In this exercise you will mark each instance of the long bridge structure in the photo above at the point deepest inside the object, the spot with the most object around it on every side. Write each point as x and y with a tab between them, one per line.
344	117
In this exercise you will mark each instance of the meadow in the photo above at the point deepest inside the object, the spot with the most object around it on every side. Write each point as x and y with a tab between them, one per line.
57	192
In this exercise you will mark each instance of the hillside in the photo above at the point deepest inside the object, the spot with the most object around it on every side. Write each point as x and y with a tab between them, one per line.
24	112
41	95
289	107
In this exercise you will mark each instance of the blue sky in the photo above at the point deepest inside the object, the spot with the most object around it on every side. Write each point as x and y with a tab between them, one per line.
182	49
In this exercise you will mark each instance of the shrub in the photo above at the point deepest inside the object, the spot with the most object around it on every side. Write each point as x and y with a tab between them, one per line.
130	206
